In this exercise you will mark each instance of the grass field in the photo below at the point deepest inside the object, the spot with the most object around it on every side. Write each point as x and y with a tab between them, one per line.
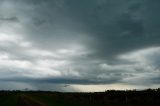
108	98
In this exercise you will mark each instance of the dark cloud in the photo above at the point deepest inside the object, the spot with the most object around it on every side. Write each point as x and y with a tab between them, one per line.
116	26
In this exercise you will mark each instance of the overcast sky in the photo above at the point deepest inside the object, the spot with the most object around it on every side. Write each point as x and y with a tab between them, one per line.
79	45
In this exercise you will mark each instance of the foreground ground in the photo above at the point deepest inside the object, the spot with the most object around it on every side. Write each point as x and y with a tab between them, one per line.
109	98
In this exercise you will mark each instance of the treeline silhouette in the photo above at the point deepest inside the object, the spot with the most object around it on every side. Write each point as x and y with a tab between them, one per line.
147	97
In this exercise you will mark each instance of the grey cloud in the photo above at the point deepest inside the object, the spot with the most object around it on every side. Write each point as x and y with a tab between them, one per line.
155	80
12	19
61	80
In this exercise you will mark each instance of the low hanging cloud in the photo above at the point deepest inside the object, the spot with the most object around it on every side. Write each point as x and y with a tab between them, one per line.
79	43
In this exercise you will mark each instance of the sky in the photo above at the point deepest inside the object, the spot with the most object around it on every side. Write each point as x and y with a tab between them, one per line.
79	45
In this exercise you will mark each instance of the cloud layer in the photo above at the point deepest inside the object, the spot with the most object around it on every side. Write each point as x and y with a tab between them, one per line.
50	43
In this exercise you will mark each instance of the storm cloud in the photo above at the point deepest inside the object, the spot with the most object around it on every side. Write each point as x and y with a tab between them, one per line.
51	43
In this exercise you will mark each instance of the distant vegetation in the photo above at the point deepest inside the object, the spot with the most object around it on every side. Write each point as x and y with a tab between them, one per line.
148	97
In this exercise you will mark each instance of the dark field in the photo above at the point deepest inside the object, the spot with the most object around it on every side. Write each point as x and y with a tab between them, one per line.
109	98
